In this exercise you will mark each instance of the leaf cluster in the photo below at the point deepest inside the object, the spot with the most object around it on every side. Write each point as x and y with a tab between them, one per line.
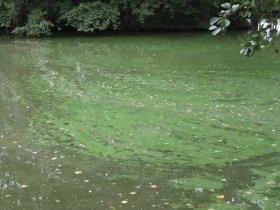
36	25
89	17
259	36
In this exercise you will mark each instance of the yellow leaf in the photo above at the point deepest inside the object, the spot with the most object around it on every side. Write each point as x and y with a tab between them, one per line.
153	186
23	186
270	182
220	196
78	172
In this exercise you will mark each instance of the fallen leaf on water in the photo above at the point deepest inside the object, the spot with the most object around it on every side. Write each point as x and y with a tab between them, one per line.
23	186
199	190
153	186
78	172
220	196
270	182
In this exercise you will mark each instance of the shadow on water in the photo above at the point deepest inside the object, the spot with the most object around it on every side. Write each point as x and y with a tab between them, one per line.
36	178
240	175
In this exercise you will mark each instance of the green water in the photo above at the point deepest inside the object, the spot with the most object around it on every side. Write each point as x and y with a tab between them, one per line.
169	121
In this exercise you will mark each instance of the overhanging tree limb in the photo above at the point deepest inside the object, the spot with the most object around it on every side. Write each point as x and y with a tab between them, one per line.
258	37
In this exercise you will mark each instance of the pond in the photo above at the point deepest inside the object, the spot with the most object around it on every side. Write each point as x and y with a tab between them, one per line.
135	121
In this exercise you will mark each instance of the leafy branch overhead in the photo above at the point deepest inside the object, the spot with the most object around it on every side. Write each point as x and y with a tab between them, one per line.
262	33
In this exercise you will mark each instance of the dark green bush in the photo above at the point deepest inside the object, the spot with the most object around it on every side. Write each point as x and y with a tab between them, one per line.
9	11
89	17
36	25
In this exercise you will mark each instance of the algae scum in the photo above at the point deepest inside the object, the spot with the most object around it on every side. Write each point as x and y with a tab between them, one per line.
172	121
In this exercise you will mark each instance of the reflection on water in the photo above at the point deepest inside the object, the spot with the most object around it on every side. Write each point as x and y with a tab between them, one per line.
138	122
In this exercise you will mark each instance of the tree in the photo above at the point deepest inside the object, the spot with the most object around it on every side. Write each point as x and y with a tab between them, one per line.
93	16
8	13
36	25
262	32
41	18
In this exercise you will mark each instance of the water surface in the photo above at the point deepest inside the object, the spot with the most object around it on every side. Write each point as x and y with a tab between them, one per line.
161	121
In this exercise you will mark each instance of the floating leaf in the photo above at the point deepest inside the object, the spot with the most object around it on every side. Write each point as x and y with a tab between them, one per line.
248	193
23	186
78	172
199	190
153	186
220	196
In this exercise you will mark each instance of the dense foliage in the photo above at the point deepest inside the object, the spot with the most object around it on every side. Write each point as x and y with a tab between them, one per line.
263	31
40	18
